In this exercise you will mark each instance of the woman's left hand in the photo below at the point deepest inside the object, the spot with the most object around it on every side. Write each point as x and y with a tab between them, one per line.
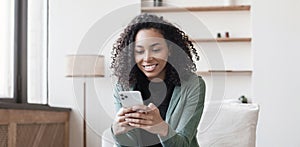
147	118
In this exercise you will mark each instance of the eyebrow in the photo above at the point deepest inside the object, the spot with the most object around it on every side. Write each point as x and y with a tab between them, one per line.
152	45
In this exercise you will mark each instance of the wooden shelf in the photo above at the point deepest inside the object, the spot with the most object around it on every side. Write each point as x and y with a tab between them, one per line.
211	72
203	8
223	40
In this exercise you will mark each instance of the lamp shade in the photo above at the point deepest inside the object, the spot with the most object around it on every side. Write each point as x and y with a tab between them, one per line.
85	66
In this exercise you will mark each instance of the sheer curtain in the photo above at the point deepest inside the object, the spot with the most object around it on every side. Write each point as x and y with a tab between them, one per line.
37	51
6	48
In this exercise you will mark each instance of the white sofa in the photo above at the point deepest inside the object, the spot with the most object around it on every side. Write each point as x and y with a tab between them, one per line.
228	124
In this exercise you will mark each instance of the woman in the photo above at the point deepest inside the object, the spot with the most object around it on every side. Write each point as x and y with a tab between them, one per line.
155	57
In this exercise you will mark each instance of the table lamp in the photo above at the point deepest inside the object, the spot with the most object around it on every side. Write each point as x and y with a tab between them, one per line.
84	66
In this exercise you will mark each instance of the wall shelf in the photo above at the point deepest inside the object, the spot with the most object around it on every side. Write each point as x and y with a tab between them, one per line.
227	72
201	8
237	64
223	40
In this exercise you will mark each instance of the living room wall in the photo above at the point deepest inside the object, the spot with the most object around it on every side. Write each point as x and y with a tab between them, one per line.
70	22
276	74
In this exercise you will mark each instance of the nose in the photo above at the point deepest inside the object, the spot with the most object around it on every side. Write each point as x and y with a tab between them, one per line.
148	56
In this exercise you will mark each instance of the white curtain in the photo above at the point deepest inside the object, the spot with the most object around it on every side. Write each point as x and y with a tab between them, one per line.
6	48
37	51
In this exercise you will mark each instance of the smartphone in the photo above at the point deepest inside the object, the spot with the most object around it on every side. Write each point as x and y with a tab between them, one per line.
130	98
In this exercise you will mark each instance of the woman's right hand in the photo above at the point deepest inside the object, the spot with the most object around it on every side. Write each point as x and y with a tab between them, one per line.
120	126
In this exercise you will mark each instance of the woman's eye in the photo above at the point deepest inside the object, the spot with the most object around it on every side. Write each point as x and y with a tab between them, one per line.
139	51
156	50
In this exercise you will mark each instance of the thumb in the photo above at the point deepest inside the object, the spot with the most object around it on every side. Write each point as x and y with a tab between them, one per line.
152	106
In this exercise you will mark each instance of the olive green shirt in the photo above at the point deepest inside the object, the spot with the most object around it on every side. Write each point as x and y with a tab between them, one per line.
183	115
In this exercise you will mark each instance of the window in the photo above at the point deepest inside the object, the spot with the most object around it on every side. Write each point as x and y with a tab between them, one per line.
7	49
23	54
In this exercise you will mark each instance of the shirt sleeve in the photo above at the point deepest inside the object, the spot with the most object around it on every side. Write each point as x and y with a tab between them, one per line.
189	121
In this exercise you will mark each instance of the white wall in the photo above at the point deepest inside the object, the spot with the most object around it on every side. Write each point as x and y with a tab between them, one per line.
85	27
276	80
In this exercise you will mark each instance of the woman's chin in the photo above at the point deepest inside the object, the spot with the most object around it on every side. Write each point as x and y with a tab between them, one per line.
154	77
150	75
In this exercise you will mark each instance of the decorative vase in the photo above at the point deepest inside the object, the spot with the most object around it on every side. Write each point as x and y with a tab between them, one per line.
229	2
157	3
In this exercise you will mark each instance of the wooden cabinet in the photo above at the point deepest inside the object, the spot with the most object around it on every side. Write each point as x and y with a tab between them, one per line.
24	125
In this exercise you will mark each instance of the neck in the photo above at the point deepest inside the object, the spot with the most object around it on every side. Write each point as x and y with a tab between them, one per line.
156	80
160	77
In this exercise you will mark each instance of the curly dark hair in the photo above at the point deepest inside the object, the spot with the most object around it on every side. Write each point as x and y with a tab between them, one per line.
180	62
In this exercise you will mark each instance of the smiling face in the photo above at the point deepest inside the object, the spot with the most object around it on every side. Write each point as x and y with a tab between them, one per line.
151	53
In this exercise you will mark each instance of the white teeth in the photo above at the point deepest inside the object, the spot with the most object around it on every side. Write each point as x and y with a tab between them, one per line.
150	68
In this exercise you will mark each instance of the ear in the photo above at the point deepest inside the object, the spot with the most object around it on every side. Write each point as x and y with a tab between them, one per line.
169	51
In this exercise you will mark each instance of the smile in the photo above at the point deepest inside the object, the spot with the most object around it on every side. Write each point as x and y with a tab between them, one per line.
149	68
